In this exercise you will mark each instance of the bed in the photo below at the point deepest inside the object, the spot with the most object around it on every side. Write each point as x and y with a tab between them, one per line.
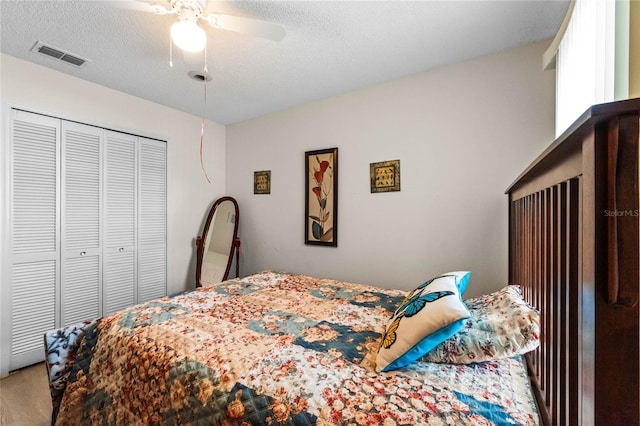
558	344
279	348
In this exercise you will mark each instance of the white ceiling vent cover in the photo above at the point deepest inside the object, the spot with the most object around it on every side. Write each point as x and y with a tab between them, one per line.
54	52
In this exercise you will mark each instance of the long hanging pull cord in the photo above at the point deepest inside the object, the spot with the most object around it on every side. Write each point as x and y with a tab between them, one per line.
204	112
170	52
206	70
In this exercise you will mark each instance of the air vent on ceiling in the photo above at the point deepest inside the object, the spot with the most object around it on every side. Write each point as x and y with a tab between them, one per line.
59	54
198	76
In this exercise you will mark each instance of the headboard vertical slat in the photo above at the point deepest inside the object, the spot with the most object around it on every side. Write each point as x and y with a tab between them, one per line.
573	302
562	367
552	295
538	284
532	249
545	281
533	269
560	335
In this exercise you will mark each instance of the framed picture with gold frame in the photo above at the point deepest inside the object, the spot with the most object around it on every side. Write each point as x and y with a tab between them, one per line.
385	176
321	197
262	182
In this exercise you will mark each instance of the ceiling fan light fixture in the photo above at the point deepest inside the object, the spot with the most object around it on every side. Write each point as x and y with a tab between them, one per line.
188	35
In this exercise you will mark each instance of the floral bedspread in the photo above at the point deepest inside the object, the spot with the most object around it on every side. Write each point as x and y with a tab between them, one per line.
275	349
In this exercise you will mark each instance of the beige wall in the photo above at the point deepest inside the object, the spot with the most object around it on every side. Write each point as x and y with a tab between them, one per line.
44	90
462	134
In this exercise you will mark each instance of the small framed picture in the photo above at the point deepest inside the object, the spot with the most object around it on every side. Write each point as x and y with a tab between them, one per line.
385	176
262	182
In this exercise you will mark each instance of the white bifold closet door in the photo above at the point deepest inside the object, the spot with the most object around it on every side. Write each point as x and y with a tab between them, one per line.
152	220
30	309
81	273
120	221
87	229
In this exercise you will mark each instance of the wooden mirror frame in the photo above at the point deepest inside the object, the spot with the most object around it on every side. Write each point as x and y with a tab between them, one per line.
201	240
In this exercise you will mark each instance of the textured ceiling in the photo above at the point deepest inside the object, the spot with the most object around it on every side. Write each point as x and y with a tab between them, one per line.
330	47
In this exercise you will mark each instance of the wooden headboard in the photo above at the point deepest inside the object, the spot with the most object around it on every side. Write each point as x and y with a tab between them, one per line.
573	246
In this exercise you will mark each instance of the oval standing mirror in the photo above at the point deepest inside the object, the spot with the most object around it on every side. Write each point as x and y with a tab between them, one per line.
218	242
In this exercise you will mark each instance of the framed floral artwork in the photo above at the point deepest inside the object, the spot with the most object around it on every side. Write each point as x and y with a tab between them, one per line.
321	197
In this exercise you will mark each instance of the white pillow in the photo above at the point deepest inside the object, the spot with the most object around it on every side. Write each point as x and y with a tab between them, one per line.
502	325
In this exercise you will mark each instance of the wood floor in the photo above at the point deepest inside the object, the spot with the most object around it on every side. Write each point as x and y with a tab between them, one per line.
25	398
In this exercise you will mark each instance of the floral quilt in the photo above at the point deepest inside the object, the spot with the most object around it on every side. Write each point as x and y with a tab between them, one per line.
274	349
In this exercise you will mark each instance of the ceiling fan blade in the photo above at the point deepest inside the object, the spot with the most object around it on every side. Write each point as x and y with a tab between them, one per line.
144	6
254	27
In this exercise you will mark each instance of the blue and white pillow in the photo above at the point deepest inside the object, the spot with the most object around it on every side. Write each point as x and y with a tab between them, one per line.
502	325
429	315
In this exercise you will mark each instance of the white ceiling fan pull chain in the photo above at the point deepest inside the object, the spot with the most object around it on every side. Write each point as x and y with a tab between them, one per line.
170	51
204	114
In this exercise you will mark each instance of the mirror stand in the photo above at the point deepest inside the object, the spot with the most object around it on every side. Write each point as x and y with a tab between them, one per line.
237	248
218	243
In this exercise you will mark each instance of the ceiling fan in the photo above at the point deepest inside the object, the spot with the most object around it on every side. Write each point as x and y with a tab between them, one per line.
187	33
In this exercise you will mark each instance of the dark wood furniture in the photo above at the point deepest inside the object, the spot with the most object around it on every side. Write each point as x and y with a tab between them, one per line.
223	228
574	247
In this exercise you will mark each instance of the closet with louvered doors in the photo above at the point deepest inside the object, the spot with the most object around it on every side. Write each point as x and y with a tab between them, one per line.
86	230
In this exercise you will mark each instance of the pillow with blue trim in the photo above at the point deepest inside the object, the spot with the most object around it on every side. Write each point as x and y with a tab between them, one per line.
462	280
502	325
428	316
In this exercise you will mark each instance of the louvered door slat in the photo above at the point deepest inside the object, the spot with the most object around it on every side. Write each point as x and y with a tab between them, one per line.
152	274
119	281
35	179
81	284
81	171
153	190
32	310
120	184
